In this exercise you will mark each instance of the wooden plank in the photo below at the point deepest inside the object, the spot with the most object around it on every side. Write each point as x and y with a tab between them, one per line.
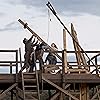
58	93
77	70
20	57
69	78
59	88
66	86
55	96
76	78
79	56
8	65
6	91
7	78
8	50
52	68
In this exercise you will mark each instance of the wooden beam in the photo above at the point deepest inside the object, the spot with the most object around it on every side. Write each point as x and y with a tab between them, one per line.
79	56
64	52
20	57
6	91
51	67
20	92
55	96
97	91
59	88
95	95
66	86
39	38
84	93
58	93
64	64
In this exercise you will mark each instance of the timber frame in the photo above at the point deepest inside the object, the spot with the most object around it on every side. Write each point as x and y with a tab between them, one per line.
67	80
72	86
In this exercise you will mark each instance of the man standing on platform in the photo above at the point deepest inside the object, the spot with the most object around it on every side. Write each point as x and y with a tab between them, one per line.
28	50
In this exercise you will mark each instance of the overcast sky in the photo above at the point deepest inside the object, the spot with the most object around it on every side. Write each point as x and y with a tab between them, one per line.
84	14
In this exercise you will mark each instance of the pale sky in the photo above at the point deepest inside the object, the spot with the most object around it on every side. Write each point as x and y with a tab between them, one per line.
84	14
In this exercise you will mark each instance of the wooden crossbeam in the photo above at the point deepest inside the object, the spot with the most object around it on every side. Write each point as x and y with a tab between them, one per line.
59	88
97	91
55	96
58	93
96	95
6	91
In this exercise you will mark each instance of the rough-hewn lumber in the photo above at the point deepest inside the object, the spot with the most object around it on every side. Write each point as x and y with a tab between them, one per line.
59	88
6	91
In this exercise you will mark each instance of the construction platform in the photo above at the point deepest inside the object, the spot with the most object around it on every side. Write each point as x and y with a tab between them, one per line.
51	78
69	80
56	78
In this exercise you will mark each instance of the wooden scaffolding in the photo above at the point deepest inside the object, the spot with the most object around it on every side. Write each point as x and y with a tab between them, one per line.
64	81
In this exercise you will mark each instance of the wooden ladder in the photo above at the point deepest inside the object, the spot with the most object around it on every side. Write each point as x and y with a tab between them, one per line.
30	85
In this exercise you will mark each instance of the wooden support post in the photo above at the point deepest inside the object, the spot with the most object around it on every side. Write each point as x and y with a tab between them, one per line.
11	94
20	57
16	62
96	65
65	54
64	63
69	98
49	92
84	93
10	68
16	74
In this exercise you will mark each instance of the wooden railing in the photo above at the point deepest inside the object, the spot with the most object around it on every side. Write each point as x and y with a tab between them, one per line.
9	64
71	64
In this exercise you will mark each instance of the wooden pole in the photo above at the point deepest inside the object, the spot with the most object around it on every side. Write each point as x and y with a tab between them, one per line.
11	94
10	68
16	74
65	54
84	91
64	63
20	57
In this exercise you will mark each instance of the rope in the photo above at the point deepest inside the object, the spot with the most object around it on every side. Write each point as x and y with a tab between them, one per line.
48	25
